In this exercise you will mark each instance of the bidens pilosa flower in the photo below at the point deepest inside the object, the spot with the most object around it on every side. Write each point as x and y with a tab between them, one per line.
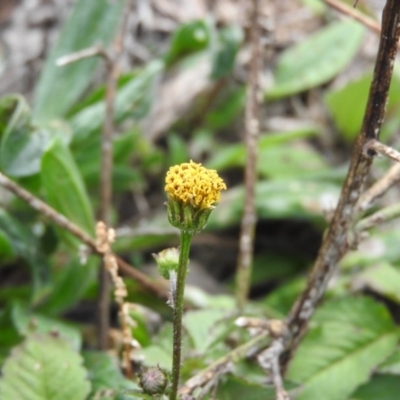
193	192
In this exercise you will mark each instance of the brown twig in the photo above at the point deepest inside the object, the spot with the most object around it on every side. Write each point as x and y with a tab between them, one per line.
384	215
355	14
249	218
380	148
81	55
64	223
379	188
335	244
112	67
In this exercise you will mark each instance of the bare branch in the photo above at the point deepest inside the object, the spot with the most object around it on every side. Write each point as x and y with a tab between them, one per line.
380	148
335	244
379	188
252	128
384	215
81	55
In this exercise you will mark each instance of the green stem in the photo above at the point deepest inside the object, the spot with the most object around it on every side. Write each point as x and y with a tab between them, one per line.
186	239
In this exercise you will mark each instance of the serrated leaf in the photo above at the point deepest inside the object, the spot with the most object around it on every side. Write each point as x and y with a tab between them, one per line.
65	190
352	336
44	368
27	322
133	100
91	22
316	59
382	387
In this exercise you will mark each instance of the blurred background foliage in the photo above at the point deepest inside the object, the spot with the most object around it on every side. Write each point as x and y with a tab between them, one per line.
181	96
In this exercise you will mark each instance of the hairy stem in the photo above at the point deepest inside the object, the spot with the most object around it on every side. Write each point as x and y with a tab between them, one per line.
186	239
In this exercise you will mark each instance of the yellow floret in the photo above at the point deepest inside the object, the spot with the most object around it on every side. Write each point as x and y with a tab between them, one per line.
194	184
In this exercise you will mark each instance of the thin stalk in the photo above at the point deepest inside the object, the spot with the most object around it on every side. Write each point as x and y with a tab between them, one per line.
186	239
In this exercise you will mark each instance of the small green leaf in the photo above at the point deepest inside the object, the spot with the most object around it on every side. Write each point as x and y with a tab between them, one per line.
316	59
177	149
188	38
64	187
91	22
352	336
44	367
224	54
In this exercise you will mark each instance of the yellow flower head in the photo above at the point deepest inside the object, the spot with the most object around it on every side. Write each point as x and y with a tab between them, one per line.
194	185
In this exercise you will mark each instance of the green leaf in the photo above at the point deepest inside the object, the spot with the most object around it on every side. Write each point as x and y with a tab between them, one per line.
316	59
64	188
352	336
224	54
236	388
188	38
26	245
23	144
105	374
27	322
133	100
392	364
347	104
382	387
70	285
203	327
235	155
177	149
277	199
91	22
383	279
44	367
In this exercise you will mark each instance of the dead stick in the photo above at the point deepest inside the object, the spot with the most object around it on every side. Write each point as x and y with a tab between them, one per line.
335	244
249	218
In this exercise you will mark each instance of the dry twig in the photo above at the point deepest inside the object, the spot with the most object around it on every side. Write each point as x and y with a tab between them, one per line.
335	243
249	218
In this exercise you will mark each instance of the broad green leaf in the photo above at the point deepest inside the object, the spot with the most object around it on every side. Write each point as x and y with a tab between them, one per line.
105	374
22	144
383	279
317	59
392	364
347	105
236	388
132	100
6	249
188	38
235	155
27	322
91	22
227	44
25	245
278	199
64	187
382	387
44	367
352	336
70	285
204	327
177	149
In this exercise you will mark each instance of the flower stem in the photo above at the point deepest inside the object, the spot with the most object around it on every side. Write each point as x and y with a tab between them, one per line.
186	239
